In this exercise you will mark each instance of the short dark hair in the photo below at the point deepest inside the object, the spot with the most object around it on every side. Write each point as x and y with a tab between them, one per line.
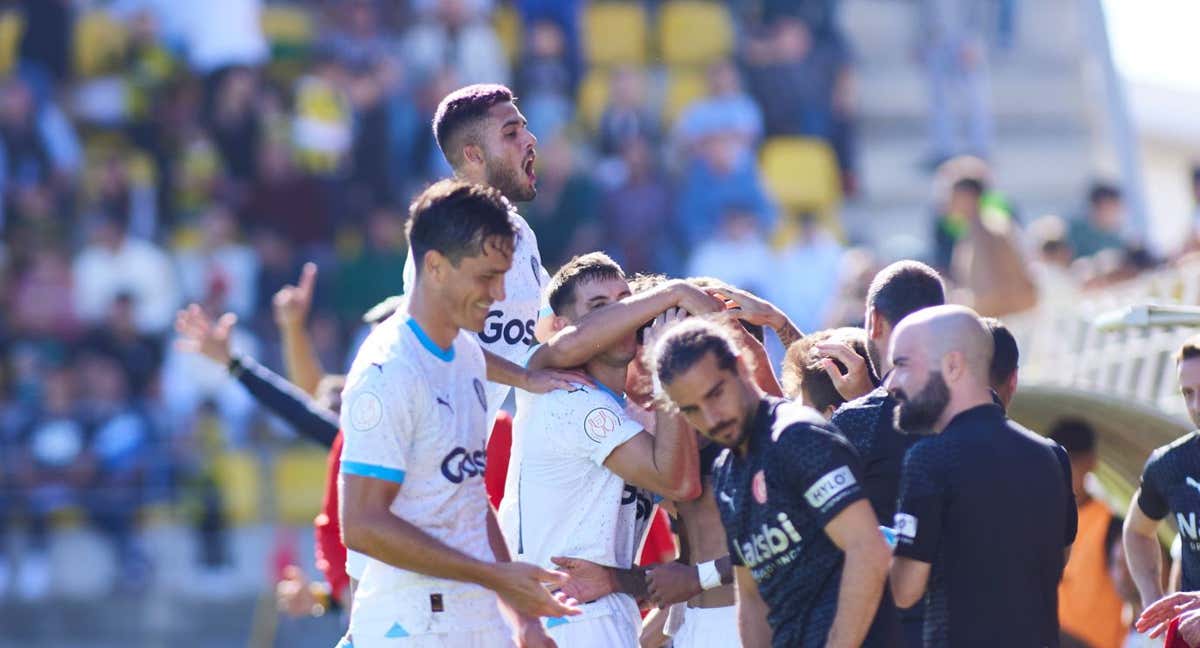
643	281
1189	350
1102	191
802	371
1075	435
457	219
1006	357
904	288
687	343
581	269
461	110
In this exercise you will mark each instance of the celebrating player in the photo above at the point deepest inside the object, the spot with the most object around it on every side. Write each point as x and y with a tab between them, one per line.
810	562
414	421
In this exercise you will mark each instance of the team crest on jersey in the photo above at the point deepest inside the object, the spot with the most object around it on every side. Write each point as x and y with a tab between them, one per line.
366	411
599	423
534	264
480	393
758	486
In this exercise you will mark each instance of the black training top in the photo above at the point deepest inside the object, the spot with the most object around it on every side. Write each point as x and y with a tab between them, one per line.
1171	484
989	505
869	423
775	502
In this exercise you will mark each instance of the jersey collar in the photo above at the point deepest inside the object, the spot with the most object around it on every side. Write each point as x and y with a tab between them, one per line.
445	355
620	398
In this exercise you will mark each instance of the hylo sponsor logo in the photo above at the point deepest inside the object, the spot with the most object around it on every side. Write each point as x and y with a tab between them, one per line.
828	486
905	525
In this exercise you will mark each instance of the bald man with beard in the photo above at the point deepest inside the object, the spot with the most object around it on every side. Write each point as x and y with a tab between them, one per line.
986	514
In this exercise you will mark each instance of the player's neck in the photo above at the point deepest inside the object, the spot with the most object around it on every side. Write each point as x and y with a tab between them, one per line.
613	378
431	317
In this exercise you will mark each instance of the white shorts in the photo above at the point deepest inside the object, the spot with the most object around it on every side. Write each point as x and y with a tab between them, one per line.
488	638
611	622
708	628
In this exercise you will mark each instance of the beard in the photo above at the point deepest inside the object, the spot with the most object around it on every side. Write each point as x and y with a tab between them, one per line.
510	181
916	415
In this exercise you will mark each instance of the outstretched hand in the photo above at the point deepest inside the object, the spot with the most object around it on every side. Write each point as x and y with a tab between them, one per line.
1155	618
199	334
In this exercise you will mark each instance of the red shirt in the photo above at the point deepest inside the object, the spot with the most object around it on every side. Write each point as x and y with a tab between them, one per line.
330	552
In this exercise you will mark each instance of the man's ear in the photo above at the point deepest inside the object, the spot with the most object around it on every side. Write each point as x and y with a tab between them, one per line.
558	323
878	328
434	265
953	366
472	154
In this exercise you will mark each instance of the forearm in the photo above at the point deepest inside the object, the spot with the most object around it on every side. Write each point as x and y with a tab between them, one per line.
858	598
785	330
630	581
503	371
676	457
300	359
753	628
285	400
604	327
764	376
398	543
496	538
1145	564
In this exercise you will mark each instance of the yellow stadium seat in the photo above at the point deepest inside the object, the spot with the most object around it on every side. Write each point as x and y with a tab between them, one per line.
299	485
12	24
236	474
802	174
694	32
615	33
593	96
100	43
684	86
507	23
287	24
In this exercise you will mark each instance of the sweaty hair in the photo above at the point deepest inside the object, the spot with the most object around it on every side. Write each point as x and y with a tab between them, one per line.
687	343
802	371
1189	350
460	112
1005	355
904	288
457	219
592	266
1076	436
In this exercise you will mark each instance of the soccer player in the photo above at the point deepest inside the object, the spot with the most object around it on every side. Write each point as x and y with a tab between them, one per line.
414	425
580	464
1005	361
986	513
805	377
810	562
1170	486
898	290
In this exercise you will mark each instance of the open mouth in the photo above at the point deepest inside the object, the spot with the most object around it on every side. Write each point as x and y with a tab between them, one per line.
529	172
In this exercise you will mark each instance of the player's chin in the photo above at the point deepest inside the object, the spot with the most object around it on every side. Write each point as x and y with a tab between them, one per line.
475	318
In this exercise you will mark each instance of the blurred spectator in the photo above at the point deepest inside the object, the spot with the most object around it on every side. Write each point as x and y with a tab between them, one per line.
53	470
357	40
40	148
218	34
727	111
1089	606
115	263
235	123
139	355
116	192
118	449
454	33
950	36
192	386
564	213
627	114
718	178
376	272
221	273
565	14
42	298
1052	260
323	125
736	253
283	199
279	264
545	80
1100	227
817	256
46	41
820	15
804	87
636	214
855	272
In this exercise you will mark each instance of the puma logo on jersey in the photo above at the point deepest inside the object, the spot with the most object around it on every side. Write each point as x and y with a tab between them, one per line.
442	401
721	495
1193	483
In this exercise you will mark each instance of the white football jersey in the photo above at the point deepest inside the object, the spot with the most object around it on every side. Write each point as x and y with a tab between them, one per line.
415	414
508	331
559	499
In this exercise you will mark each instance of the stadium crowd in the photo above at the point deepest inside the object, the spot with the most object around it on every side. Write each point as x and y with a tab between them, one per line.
259	160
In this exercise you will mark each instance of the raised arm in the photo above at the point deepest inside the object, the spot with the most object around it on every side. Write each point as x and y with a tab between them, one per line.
600	329
291	306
